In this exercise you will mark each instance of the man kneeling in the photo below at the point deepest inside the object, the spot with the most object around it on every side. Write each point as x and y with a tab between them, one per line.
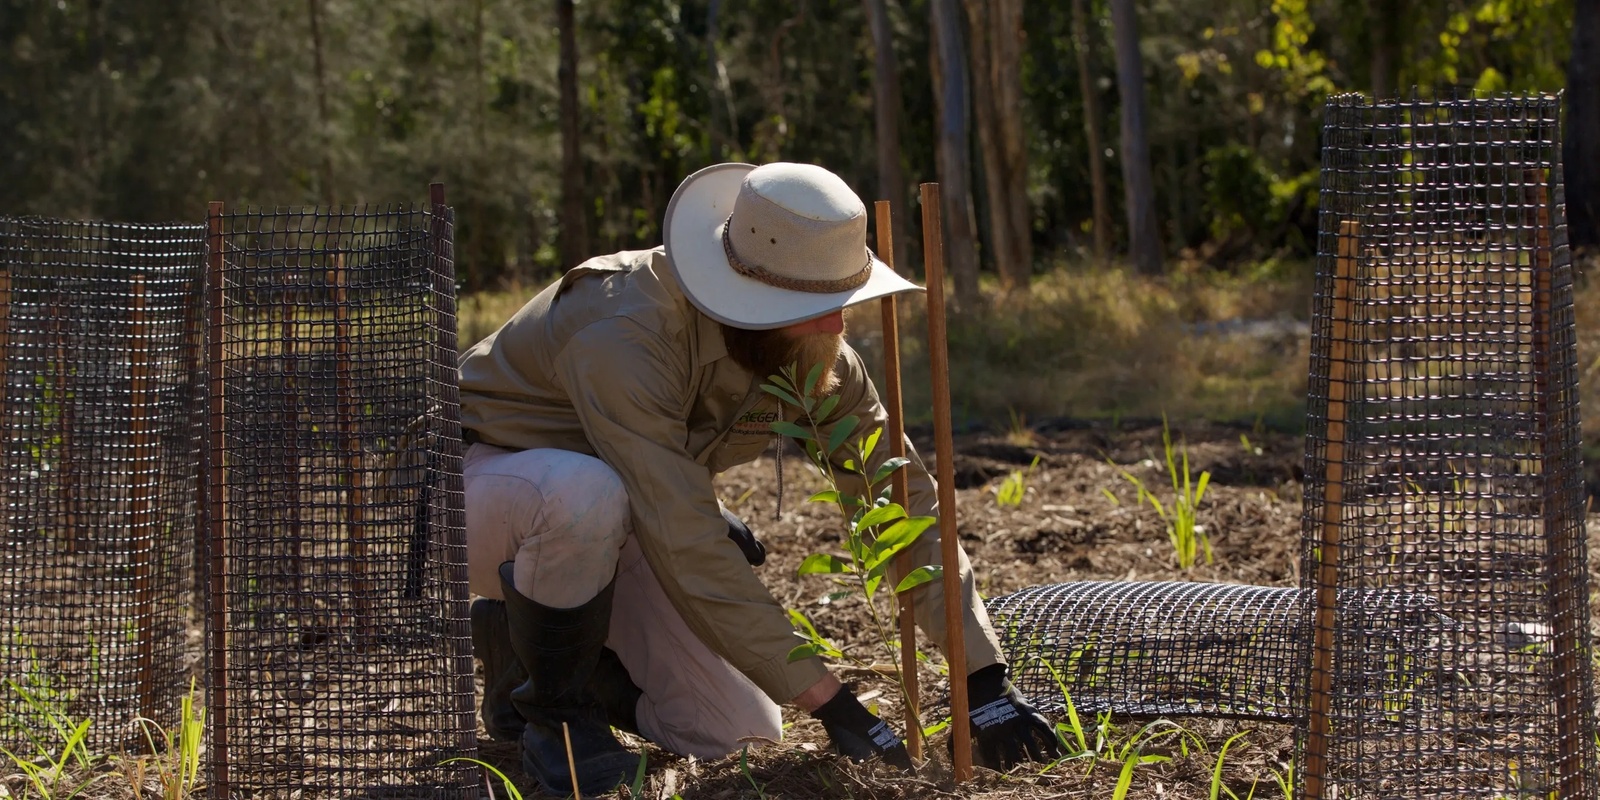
596	419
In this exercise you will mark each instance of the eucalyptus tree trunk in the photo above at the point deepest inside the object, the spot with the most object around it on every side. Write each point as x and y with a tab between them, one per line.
996	36
320	83
1582	141
1144	239
1099	192
724	121
951	102
1384	16
574	239
886	112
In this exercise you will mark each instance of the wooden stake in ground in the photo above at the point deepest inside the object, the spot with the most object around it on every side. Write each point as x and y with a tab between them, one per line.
66	471
288	342
893	405
950	548
1340	352
5	351
572	766
349	413
215	515
142	523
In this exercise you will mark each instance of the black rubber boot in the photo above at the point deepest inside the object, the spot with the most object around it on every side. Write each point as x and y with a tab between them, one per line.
502	672
613	688
560	649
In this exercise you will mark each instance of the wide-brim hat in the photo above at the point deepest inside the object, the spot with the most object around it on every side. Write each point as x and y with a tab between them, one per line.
769	246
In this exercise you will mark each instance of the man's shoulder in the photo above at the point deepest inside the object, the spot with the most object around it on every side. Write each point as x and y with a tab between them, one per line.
628	290
626	262
623	296
851	369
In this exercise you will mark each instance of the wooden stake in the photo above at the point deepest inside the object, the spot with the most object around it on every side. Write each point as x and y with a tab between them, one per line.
5	359
288	335
349	413
950	547
215	515
572	766
1566	601
893	405
66	472
5	349
142	521
1340	355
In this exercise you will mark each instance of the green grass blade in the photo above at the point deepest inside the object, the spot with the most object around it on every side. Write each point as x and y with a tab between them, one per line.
1216	771
1125	777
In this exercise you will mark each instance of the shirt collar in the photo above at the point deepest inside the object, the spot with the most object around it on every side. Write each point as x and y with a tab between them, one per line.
707	331
712	346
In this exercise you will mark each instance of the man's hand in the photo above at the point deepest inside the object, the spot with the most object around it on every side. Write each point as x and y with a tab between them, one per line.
754	551
1006	728
858	734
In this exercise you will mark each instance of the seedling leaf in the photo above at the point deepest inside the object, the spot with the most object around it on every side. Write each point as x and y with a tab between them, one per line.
881	514
888	467
824	564
841	432
786	428
779	393
919	576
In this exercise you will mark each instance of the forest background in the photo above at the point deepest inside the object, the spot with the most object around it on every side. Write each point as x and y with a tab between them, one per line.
1114	172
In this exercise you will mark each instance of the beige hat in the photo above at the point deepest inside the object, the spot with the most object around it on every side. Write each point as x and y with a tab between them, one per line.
763	247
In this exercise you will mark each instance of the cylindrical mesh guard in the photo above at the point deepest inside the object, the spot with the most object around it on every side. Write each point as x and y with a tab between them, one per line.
340	660
1173	648
99	439
1443	456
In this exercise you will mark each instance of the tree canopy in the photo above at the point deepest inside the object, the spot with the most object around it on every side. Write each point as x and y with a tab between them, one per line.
143	110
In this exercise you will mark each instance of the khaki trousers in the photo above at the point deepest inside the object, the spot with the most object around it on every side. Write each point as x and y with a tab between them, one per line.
562	518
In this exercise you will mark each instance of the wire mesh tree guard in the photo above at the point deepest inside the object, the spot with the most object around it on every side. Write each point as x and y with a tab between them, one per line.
1443	455
340	658
99	436
1439	645
1183	648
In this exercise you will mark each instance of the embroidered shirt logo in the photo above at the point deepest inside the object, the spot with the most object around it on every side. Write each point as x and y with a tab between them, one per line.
757	422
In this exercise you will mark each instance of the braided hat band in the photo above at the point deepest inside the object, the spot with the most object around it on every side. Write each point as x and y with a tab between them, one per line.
771	278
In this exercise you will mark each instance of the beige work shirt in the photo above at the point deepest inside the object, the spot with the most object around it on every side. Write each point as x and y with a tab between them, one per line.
613	361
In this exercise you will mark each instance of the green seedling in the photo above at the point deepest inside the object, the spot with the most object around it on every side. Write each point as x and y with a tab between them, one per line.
176	759
1285	780
1018	432
1189	540
636	788
56	766
1218	790
1015	486
744	769
877	530
1131	753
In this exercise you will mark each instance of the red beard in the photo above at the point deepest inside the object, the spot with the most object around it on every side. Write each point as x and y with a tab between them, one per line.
769	352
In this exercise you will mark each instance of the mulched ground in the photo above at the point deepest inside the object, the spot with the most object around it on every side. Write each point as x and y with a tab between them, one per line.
1066	528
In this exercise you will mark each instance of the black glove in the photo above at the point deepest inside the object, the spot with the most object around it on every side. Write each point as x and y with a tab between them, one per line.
858	734
754	551
1006	728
